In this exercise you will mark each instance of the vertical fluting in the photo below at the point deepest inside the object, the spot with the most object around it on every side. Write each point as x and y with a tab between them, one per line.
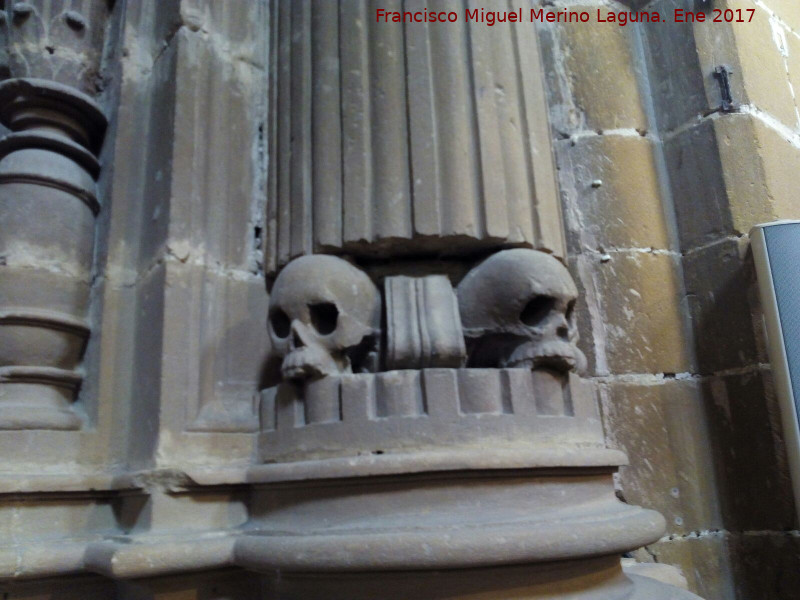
406	138
48	205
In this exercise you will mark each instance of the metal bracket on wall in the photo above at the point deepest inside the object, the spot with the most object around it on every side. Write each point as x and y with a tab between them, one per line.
722	75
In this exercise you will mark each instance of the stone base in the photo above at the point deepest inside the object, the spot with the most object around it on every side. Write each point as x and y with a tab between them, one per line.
591	579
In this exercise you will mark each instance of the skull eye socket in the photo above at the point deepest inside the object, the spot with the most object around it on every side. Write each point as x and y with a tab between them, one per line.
324	317
570	310
280	323
536	310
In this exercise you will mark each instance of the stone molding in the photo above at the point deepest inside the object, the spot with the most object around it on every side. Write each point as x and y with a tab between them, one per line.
419	410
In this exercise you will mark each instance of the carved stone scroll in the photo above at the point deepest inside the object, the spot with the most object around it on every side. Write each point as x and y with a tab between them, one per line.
423	327
48	205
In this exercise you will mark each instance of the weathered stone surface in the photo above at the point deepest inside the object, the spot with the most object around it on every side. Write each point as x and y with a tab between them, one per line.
675	75
664	428
780	159
601	71
763	67
435	410
747	437
785	11
717	278
749	200
792	54
56	41
698	189
612	194
703	558
720	190
765	564
635	322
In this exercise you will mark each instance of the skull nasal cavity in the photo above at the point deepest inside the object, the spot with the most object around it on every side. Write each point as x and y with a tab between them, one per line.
324	317
280	323
536	310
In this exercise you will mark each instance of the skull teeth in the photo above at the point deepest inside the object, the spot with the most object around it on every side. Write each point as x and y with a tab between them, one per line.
308	362
556	355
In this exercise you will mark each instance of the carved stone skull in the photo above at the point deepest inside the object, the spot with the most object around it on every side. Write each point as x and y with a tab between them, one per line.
324	316
517	311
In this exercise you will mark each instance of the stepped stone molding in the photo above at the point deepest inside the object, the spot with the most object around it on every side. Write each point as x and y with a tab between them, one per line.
48	205
416	138
376	413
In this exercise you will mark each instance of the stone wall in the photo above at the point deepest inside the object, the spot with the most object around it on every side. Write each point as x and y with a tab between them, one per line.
159	468
660	188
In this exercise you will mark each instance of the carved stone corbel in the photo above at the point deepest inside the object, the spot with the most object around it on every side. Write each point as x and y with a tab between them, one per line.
48	205
432	471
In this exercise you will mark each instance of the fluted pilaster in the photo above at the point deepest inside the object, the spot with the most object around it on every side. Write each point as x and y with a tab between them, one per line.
424	138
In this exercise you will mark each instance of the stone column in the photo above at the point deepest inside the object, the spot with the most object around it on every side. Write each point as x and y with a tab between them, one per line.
431	436
48	204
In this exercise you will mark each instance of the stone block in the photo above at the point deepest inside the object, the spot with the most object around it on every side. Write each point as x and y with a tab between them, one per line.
717	279
749	200
692	444
766	565
211	374
634	317
698	190
678	94
703	558
781	162
786	11
603	78
746	436
423	327
719	189
761	49
664	428
612	194
793	61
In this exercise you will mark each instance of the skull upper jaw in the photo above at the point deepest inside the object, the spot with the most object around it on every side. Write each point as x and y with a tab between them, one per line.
516	350
313	362
556	355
